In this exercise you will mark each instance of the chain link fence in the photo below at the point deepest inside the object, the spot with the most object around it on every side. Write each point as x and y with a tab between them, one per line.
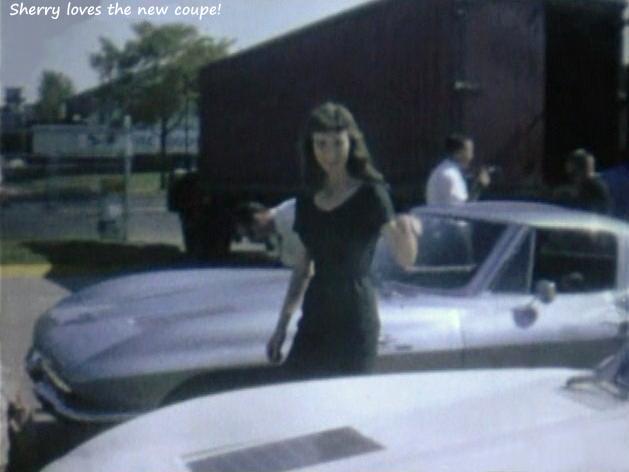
66	194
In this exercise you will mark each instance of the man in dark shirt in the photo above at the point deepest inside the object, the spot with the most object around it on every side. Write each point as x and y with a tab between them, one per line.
585	190
617	180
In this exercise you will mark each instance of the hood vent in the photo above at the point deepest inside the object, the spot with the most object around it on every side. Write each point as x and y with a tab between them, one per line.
290	454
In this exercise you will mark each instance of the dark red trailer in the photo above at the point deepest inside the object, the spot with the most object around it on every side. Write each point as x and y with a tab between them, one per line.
529	80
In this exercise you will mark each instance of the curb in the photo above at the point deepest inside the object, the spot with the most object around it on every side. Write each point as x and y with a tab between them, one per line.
24	270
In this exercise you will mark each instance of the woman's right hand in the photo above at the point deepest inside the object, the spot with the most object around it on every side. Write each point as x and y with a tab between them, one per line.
274	346
401	234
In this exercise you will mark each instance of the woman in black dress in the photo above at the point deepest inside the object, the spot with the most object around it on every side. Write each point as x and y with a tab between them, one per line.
339	223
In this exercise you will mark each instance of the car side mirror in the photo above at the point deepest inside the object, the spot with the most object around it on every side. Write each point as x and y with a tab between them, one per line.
545	291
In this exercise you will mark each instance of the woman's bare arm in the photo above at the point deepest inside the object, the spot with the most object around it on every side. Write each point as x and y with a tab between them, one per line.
300	277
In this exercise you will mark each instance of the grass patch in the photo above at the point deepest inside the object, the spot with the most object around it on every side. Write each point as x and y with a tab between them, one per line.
139	184
15	252
89	256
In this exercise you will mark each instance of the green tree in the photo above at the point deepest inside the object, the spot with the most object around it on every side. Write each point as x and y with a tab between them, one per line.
153	76
106	60
54	89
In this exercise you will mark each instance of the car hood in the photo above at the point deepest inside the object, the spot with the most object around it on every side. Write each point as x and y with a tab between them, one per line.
481	420
188	318
133	295
134	317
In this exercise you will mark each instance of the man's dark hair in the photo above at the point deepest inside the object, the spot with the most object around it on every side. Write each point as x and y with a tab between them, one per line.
244	213
455	142
578	160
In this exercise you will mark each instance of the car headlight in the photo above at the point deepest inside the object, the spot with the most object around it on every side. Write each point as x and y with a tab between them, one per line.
55	378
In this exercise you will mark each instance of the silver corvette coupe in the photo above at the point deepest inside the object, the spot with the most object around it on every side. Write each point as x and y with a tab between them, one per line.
495	284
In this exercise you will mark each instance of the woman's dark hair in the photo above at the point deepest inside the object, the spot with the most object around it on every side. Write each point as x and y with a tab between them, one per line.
335	117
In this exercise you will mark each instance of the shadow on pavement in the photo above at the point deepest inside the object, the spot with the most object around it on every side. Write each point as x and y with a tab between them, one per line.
76	264
40	442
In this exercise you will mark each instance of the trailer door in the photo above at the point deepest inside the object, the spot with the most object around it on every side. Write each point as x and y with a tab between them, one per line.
499	83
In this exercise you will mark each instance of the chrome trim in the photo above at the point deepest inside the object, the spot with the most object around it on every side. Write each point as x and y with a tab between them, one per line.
55	378
36	365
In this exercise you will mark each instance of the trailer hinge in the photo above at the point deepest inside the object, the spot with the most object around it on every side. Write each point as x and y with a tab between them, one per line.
461	7
465	86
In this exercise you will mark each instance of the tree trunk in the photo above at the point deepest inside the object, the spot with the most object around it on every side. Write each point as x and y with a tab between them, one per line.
165	167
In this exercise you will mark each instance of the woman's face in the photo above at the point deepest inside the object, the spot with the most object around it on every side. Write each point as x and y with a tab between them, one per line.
331	150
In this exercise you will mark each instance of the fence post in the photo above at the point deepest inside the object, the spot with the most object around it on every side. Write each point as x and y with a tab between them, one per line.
52	167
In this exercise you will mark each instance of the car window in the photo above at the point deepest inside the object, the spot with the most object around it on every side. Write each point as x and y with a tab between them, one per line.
516	273
450	252
576	261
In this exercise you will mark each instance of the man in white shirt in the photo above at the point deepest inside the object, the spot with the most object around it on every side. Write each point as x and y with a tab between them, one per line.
277	222
446	184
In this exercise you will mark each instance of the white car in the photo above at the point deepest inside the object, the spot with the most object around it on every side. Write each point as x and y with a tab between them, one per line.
495	284
510	419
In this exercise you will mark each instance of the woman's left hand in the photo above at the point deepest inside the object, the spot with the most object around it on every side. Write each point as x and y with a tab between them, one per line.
274	346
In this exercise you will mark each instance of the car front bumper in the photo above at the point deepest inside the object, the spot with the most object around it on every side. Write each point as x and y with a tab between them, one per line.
58	398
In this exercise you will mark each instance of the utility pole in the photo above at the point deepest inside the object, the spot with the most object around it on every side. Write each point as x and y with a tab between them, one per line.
187	124
128	164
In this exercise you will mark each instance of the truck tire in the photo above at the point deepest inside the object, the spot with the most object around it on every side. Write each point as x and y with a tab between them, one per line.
217	233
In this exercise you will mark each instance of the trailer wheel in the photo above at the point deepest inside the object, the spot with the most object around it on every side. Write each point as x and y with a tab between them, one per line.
194	237
219	235
207	233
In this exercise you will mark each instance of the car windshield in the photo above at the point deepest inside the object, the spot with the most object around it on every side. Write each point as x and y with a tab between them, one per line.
450	252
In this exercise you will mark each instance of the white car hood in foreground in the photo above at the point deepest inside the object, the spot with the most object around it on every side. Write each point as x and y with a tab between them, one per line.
475	420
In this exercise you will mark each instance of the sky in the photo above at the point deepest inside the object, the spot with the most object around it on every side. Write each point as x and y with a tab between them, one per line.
30	44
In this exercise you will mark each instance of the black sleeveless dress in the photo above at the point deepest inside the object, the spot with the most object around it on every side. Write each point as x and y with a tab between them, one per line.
338	330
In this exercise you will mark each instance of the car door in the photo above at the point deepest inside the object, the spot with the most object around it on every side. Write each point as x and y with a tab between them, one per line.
579	326
421	307
418	331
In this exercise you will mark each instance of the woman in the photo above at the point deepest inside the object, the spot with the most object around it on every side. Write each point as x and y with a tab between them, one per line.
339	224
